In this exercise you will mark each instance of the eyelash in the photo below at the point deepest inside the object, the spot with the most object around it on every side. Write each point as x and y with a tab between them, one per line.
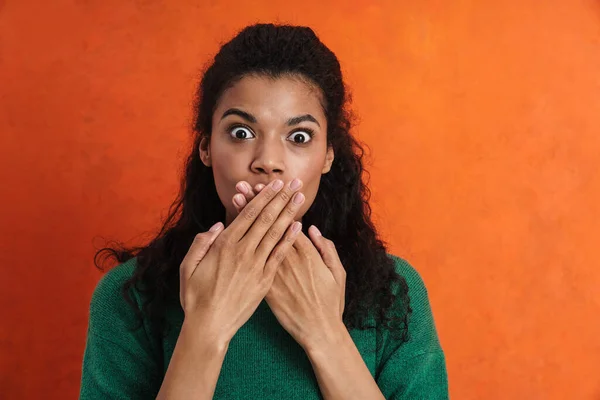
308	131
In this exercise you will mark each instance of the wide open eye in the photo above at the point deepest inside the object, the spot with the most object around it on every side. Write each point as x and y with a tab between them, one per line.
241	133
301	137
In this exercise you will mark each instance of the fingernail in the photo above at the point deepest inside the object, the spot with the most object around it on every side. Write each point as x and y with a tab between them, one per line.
295	184
277	184
317	231
298	198
239	200
296	227
216	227
242	187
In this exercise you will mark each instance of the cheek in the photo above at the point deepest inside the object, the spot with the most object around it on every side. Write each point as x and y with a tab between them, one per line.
224	172
312	180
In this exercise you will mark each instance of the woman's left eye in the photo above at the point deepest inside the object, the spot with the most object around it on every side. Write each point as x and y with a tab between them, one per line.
301	137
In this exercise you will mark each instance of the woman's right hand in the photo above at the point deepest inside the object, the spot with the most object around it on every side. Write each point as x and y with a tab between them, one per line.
227	273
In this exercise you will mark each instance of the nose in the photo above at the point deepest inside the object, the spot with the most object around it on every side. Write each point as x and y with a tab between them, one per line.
268	158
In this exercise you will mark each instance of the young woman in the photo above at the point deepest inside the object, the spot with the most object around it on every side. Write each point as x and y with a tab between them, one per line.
268	280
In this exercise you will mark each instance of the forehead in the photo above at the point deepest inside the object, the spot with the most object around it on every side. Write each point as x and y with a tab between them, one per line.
285	95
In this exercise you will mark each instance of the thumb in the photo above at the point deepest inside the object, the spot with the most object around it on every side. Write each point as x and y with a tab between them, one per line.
331	258
196	253
328	253
202	243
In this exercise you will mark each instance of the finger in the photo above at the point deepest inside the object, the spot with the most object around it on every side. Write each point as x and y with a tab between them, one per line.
292	256
239	202
290	260
331	258
196	253
244	188
328	253
259	187
246	194
279	253
274	221
305	247
240	226
199	248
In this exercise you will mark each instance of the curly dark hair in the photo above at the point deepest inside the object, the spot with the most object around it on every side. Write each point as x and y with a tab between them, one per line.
375	292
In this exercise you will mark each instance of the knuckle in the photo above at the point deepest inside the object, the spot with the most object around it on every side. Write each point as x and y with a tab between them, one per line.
285	196
267	217
222	242
279	255
249	212
290	211
274	233
218	244
238	254
242	252
269	192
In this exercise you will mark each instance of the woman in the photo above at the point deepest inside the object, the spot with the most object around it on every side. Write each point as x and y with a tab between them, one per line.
267	280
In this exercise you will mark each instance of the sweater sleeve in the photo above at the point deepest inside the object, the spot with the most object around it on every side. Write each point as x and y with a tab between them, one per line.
415	369
118	362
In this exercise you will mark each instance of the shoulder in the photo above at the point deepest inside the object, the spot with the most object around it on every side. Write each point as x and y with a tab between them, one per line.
117	275
414	368
422	331
108	303
413	279
110	285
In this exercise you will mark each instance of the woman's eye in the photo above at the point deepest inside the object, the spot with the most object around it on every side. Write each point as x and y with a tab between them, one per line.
239	132
301	137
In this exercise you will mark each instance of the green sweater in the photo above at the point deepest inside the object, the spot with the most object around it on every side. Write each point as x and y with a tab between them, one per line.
262	362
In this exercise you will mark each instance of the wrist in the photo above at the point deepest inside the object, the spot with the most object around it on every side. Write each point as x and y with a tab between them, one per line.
195	364
210	338
333	337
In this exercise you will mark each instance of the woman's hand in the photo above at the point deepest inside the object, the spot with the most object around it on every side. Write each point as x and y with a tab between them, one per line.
226	274
307	294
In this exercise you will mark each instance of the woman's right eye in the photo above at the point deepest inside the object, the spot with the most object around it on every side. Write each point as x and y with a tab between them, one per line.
241	133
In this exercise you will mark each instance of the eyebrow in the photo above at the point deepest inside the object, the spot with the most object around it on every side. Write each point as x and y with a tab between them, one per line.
239	113
302	118
250	118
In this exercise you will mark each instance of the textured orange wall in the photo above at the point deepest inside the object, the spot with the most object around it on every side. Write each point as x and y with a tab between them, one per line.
483	118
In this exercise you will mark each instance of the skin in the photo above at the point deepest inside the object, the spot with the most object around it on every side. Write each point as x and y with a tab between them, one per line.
223	277
231	268
339	368
269	149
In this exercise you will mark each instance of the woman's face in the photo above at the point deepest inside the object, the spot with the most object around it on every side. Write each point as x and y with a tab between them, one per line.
265	129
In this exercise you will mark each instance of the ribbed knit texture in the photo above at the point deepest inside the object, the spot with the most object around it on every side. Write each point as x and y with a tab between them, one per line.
262	362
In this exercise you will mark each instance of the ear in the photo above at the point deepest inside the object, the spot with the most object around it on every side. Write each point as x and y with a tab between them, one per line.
204	150
328	160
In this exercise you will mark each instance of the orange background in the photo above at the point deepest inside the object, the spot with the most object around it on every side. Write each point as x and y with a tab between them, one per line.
484	122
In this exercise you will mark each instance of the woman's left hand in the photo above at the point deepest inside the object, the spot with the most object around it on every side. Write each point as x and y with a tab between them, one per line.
307	294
